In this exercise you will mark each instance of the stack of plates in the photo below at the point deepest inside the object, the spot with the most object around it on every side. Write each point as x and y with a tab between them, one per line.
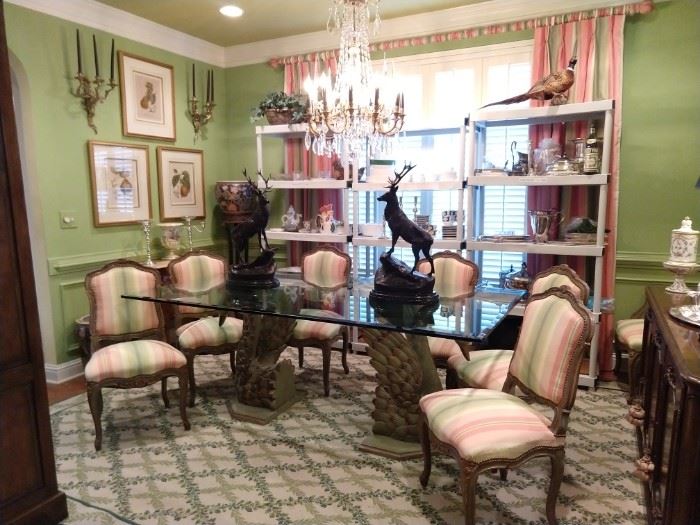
505	238
449	231
423	221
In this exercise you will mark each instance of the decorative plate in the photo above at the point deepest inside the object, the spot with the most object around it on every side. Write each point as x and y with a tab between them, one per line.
688	314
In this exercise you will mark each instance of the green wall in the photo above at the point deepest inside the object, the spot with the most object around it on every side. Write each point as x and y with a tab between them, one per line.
661	110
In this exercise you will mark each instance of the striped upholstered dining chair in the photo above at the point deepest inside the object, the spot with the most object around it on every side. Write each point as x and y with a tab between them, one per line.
198	330
325	267
127	338
486	429
488	368
455	276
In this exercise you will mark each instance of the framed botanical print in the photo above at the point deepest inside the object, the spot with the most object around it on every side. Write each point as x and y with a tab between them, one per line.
180	183
147	96
120	183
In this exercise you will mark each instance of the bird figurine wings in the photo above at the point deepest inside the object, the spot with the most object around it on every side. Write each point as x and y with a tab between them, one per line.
553	87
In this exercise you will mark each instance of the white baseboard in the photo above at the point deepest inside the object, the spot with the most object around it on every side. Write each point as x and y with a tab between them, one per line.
65	371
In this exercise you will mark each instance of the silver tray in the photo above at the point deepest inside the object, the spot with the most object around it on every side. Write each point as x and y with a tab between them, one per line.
686	314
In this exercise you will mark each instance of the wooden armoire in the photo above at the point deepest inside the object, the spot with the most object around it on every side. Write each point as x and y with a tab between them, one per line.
28	490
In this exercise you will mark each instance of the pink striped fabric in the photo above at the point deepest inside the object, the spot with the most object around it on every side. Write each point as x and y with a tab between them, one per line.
542	284
452	278
325	269
550	332
485	368
486	424
630	332
207	332
196	273
444	348
114	315
131	359
307	329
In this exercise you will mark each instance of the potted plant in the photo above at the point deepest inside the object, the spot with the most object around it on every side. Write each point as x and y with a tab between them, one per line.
280	108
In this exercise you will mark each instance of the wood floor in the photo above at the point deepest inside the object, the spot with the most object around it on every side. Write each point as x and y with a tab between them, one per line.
65	390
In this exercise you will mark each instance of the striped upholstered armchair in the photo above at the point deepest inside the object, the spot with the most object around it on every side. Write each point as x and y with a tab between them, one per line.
127	338
198	330
486	429
455	276
488	368
325	267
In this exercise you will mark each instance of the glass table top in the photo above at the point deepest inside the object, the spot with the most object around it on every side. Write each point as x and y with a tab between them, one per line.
468	318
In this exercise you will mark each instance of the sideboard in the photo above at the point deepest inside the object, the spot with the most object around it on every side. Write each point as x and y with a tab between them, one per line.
669	433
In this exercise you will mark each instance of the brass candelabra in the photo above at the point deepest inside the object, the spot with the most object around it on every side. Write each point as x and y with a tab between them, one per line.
201	117
93	91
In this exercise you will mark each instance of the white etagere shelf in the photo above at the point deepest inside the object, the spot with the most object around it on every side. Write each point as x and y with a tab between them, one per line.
279	234
479	124
438	244
436	185
308	184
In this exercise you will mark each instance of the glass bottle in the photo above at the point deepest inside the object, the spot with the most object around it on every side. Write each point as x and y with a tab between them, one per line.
591	155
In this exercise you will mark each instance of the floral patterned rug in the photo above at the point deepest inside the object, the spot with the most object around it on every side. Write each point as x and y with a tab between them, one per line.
305	466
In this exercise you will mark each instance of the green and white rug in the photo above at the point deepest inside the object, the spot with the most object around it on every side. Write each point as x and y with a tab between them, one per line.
305	467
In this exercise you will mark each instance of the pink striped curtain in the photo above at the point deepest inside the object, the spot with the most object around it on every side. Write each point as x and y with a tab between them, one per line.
598	45
298	158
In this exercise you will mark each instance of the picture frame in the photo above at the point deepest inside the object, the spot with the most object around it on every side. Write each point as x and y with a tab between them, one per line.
120	182
180	183
147	92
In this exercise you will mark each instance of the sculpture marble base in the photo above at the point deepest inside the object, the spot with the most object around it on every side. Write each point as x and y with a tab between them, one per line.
391	448
262	415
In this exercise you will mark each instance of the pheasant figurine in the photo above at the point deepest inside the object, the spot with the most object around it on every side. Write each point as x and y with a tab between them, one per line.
553	87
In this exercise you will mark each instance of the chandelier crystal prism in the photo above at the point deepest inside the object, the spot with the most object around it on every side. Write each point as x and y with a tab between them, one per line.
352	110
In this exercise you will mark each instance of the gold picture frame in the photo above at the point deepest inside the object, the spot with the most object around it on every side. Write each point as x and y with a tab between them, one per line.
147	92
180	183
120	182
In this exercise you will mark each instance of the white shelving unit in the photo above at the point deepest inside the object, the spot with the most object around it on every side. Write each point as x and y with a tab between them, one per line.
479	124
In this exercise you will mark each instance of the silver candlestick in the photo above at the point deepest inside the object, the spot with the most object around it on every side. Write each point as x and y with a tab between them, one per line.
147	233
189	227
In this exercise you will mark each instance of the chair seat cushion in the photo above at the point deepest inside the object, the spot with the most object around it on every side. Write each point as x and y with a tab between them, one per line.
306	329
207	332
485	368
486	424
444	348
630	333
132	358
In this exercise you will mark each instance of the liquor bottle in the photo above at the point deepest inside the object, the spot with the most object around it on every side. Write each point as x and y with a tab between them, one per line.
591	155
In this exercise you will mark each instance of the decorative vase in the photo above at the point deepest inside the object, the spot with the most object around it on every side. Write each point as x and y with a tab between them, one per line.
170	238
236	200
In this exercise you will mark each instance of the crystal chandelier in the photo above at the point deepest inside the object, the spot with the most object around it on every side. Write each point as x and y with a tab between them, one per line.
353	109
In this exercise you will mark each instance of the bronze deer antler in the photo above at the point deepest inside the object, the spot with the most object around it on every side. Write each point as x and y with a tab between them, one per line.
266	181
400	175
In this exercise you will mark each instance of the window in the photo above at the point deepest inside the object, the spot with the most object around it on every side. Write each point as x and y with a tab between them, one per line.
440	90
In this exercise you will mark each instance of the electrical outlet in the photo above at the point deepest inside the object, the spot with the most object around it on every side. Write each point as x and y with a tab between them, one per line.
67	220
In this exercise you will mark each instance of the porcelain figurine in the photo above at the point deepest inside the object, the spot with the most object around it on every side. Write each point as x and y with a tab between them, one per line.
291	220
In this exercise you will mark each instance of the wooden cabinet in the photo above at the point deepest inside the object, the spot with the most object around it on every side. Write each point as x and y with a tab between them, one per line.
28	489
669	438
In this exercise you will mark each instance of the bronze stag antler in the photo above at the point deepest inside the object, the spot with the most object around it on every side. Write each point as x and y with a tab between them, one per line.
400	175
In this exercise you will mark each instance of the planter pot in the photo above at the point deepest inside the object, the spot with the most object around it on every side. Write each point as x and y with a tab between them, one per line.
274	116
236	199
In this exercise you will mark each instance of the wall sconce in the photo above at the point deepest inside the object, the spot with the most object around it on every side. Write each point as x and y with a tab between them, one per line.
200	118
189	227
92	91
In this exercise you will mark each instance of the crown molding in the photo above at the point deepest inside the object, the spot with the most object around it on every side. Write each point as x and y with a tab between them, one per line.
115	21
106	18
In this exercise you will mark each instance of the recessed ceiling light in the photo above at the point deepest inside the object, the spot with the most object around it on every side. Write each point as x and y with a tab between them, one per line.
231	10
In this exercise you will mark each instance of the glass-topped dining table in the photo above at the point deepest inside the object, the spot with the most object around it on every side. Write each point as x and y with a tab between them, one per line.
395	334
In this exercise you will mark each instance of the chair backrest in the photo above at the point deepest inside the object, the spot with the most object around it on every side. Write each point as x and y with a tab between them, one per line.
114	318
556	326
454	275
326	267
560	275
197	271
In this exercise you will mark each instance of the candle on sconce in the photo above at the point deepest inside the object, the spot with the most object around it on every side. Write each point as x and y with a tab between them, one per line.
212	86
194	94
94	50
80	60
111	64
376	98
208	86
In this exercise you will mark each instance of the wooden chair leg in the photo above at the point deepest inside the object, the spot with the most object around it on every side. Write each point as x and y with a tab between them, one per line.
557	461
183	381
427	453
326	353
467	480
301	356
94	395
345	350
232	359
451	378
164	392
190	373
503	472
